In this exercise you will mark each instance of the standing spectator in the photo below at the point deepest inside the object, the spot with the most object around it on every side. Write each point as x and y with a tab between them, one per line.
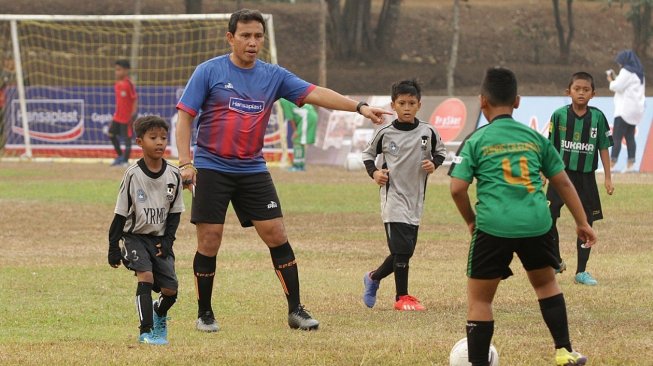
303	121
628	88
126	112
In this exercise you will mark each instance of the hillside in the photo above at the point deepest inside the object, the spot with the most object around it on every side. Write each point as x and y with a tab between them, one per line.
515	33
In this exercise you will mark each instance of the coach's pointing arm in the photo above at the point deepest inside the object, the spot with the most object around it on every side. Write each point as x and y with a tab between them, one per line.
330	99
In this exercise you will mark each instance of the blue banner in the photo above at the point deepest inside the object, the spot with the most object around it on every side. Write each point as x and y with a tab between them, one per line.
536	113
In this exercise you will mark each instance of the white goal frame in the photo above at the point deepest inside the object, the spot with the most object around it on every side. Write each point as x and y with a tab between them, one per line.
136	19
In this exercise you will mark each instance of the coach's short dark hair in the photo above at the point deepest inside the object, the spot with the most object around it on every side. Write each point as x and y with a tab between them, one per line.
581	75
246	16
123	63
406	87
144	124
499	86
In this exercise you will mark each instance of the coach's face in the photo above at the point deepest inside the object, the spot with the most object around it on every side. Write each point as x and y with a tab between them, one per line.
246	43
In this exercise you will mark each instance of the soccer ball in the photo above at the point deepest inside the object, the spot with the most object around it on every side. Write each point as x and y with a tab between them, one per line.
354	161
458	355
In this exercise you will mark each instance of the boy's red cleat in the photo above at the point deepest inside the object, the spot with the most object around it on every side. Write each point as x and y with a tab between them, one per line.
408	303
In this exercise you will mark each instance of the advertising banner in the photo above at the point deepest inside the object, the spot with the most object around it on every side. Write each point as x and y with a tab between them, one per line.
342	136
74	121
536	112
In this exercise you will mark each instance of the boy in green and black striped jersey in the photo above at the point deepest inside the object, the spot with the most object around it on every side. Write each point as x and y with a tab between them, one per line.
581	133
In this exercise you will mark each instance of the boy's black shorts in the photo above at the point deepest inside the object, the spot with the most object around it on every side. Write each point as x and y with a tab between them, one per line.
588	192
253	197
120	129
490	256
140	251
402	237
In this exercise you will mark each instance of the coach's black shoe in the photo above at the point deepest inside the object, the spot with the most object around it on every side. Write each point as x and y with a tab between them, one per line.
301	319
206	323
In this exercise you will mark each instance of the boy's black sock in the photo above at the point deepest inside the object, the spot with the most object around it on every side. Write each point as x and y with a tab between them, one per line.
204	269
285	266
144	306
165	303
385	269
583	256
479	338
401	274
554	312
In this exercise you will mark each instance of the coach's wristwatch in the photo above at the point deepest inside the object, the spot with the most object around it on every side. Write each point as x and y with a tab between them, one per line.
360	105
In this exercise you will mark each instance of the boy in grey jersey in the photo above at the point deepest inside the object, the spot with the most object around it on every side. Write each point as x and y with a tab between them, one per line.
146	218
411	150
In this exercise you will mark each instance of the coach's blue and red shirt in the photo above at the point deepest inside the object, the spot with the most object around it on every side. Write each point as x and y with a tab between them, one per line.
234	106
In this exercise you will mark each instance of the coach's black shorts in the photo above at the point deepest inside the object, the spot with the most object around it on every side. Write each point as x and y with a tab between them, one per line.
490	256
402	237
120	129
140	252
588	192
253	197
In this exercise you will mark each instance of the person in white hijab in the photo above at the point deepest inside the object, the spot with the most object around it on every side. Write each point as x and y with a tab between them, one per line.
628	87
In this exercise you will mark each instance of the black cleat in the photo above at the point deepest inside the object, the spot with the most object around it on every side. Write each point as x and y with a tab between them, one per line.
206	323
301	319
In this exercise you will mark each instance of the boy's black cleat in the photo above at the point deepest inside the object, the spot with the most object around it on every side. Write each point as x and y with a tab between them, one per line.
301	319
206	323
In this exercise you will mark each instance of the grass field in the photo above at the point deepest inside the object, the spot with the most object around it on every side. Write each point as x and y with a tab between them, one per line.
60	303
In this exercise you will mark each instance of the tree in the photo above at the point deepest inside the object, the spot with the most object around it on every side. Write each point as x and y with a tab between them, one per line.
388	21
351	33
193	6
564	41
639	16
453	59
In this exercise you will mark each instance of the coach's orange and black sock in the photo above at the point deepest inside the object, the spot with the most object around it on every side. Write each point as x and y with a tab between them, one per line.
479	338
285	266
204	269
144	306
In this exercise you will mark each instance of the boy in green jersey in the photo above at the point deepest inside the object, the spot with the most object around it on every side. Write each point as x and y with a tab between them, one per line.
303	121
512	216
580	133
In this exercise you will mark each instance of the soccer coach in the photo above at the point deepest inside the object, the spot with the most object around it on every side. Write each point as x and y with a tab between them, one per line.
235	94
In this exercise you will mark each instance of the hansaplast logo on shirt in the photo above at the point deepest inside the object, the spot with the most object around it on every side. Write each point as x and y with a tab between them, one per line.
246	106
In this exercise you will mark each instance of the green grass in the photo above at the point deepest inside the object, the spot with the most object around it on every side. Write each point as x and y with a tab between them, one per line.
60	303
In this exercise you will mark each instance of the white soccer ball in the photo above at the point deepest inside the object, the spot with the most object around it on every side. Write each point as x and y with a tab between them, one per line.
354	161
458	355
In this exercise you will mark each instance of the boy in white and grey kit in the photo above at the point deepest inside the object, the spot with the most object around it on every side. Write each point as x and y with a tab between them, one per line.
147	214
411	150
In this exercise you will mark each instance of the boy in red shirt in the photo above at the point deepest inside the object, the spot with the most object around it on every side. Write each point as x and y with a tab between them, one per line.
126	111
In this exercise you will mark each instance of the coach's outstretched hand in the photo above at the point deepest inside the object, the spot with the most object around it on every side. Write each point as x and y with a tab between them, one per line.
374	114
114	256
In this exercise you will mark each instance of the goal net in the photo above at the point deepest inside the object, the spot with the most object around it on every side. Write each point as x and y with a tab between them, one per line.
56	83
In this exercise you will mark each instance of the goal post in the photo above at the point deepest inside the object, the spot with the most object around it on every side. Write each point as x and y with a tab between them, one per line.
57	87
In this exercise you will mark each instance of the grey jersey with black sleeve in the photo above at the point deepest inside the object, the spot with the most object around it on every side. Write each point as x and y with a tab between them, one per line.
146	198
403	147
